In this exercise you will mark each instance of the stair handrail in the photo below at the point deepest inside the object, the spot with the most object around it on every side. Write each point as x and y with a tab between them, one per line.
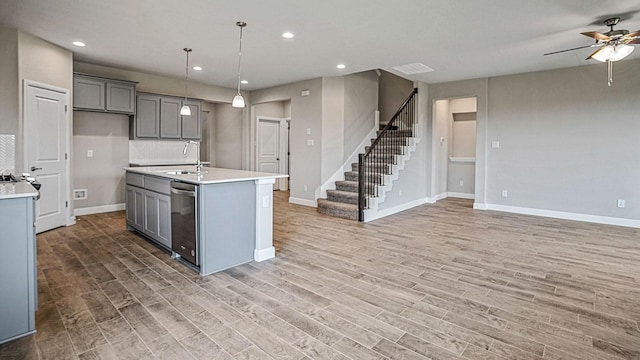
365	158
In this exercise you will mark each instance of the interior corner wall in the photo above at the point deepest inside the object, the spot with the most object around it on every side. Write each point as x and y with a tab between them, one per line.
306	113
568	142
392	91
333	126
360	104
208	151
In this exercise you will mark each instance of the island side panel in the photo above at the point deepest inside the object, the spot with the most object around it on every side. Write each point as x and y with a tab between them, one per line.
227	225
264	220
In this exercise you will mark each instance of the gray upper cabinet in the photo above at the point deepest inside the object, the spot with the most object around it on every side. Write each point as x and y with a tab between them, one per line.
121	97
91	93
158	117
170	118
147	122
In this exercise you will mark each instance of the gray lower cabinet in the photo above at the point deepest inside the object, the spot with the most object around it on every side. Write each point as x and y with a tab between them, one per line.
158	117
148	207
18	283
92	93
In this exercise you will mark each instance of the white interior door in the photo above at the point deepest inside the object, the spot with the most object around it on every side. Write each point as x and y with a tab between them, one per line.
46	143
268	146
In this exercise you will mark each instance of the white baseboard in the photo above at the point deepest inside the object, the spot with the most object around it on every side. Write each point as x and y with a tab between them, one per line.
377	214
563	215
461	195
98	209
304	202
264	254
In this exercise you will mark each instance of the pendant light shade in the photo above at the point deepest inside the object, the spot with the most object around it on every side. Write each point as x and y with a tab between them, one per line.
238	100
185	110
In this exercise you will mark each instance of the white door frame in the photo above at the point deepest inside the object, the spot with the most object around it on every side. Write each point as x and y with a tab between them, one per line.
66	188
281	184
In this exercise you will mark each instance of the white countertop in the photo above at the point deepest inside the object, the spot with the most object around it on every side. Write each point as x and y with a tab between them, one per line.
208	175
164	163
17	190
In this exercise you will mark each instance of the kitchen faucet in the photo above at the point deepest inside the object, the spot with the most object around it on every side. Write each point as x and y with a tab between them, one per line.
184	152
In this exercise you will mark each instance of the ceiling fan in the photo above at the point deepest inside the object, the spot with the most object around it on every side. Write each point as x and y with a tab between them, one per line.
614	45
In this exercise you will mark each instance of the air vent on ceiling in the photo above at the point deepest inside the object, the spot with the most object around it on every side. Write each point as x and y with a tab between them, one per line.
411	69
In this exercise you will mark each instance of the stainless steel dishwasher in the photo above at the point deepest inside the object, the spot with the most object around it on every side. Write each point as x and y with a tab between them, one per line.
184	221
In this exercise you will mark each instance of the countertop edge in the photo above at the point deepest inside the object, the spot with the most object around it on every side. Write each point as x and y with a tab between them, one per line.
211	175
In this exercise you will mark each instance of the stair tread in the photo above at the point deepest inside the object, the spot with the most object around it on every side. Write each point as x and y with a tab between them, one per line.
343	193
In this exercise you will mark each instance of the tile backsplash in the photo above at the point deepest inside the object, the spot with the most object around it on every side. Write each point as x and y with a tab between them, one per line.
7	154
159	152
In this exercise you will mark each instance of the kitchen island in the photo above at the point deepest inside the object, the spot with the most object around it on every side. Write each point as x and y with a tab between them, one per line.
18	297
231	212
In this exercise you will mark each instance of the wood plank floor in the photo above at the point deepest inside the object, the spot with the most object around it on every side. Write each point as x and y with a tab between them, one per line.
439	281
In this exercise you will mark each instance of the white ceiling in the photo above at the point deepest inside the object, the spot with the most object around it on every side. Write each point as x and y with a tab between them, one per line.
460	39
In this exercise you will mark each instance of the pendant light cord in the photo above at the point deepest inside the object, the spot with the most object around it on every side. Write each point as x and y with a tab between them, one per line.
186	77
241	24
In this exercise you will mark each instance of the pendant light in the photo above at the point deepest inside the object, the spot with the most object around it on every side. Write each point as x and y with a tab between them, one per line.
238	100
185	110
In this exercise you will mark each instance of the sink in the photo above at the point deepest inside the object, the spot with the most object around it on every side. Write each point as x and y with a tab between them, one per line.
184	172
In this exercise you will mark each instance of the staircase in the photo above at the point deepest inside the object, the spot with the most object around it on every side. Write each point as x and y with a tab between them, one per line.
380	165
343	201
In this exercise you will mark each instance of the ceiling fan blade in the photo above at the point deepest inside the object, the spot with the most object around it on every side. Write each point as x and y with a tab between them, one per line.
561	51
596	35
633	34
635	42
595	52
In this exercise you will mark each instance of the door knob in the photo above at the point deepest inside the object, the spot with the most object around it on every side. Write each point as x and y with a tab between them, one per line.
33	168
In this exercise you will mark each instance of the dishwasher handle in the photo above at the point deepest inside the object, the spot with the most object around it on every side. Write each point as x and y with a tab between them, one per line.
189	193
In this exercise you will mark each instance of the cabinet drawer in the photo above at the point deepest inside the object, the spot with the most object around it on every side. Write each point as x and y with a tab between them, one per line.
157	184
135	179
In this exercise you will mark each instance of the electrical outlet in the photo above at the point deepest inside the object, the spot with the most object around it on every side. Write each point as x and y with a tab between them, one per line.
461	183
309	142
621	203
400	192
495	144
505	193
89	153
305	188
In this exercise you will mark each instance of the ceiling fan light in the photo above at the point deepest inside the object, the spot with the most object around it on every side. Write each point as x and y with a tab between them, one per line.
185	110
238	102
604	54
621	51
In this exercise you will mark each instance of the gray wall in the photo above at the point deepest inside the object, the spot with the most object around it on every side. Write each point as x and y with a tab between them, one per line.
441	127
9	83
393	90
306	113
108	136
360	104
568	142
228	137
333	126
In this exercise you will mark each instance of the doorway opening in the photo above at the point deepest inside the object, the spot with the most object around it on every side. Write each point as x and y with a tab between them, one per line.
454	141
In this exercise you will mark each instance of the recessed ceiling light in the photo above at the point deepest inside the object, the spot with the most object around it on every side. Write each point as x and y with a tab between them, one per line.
197	68
287	35
244	82
79	43
341	66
